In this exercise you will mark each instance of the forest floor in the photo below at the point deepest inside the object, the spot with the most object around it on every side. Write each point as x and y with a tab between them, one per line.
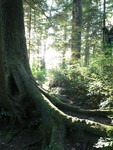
25	139
29	138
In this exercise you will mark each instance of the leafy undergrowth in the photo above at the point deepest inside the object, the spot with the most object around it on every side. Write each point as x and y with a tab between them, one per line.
83	87
88	87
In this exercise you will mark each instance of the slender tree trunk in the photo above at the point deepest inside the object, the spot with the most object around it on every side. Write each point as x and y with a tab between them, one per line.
104	23
43	57
76	28
94	49
23	90
38	52
87	53
63	60
107	35
34	20
87	47
44	49
65	48
29	29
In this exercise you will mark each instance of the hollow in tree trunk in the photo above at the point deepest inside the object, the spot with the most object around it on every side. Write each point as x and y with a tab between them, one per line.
22	90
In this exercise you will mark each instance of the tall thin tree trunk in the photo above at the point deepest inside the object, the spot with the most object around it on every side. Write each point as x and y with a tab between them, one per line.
107	35
104	24
34	20
87	53
65	48
87	46
94	48
63	60
38	52
43	57
29	49
56	125
76	28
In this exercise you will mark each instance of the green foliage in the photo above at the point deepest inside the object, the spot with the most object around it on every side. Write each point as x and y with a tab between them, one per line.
71	82
38	74
104	144
90	87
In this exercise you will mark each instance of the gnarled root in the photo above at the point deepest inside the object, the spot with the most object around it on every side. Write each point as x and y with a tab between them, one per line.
51	110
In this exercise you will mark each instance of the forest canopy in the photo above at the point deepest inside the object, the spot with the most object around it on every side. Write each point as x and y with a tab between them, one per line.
56	74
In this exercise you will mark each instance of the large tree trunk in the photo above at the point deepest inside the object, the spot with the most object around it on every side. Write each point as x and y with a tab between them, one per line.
3	91
14	43
23	90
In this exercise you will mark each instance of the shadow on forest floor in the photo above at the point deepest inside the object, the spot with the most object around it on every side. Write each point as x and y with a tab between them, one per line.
30	138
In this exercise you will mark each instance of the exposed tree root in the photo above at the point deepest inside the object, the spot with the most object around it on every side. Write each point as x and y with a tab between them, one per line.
74	109
58	136
50	107
25	96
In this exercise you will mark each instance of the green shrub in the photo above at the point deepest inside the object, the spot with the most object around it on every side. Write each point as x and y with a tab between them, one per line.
88	86
38	74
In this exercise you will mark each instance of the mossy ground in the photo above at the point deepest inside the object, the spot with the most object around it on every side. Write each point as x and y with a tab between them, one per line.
30	137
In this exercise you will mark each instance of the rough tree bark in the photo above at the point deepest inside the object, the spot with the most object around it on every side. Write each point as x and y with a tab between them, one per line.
64	49
87	45
23	90
3	90
76	28
104	23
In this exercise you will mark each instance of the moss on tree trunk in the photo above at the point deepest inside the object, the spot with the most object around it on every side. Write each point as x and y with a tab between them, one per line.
56	124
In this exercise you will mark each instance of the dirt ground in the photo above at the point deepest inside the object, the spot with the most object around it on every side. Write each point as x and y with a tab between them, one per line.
29	138
26	139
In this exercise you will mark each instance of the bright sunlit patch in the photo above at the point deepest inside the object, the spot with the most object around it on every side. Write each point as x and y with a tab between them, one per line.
49	39
52	58
103	142
112	20
49	2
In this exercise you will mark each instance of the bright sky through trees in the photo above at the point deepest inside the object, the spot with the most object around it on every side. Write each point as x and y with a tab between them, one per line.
53	55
